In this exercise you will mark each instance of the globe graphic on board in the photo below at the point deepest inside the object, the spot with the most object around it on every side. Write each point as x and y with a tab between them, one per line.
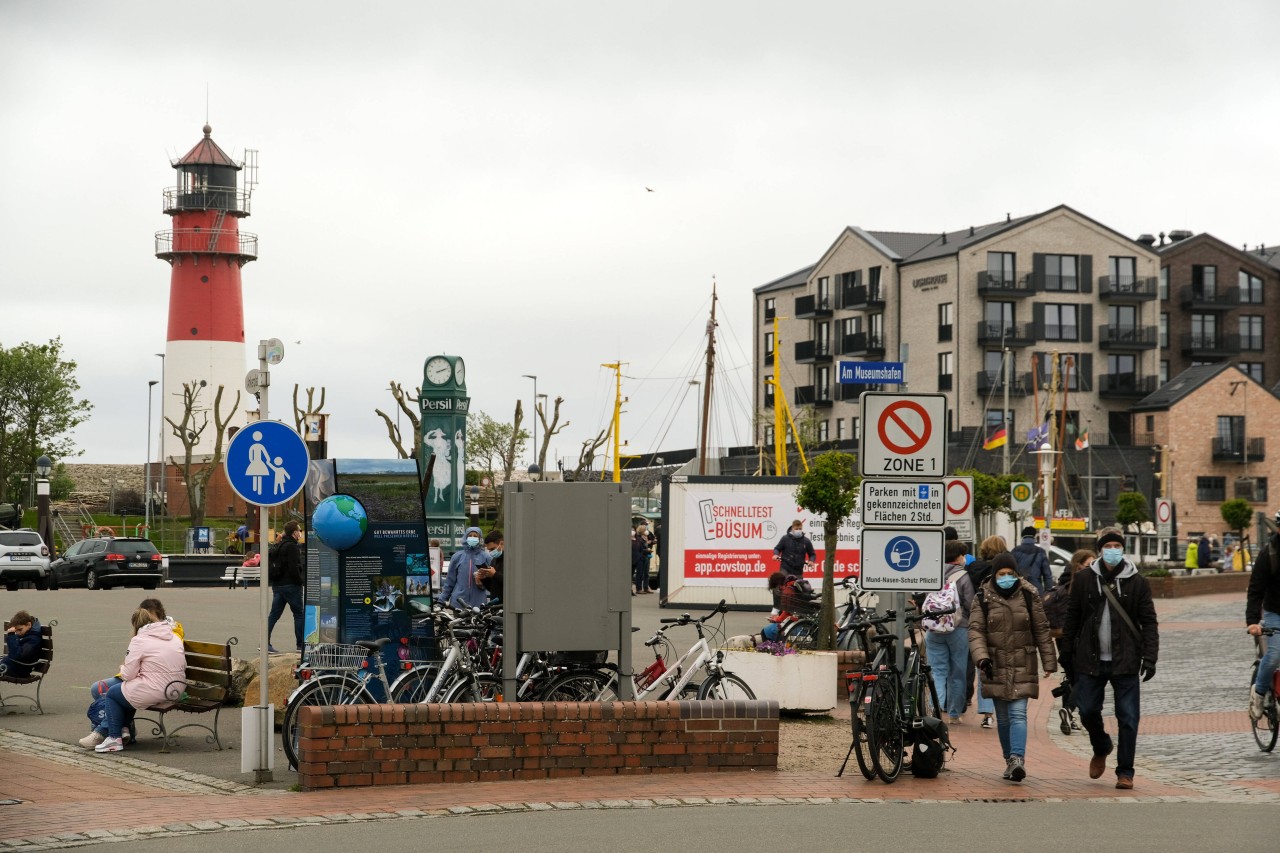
340	521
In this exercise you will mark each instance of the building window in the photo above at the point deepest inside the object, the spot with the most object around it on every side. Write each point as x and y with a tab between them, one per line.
768	391
822	431
1122	271
1151	423
848	281
946	367
999	317
875	328
839	429
1204	281
1101	489
1121	364
1123	318
1204	331
1164	370
1252	369
1000	270
1164	284
768	435
857	428
1060	323
822	338
1164	329
824	293
1061	273
873	283
1250	289
945	319
1044	369
1250	331
1211	489
768	344
770	308
823	391
996	419
1260	490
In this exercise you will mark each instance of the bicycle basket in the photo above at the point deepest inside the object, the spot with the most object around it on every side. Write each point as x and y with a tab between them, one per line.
336	656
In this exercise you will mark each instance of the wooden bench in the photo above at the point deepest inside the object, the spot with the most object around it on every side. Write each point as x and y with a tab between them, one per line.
242	576
206	689
38	670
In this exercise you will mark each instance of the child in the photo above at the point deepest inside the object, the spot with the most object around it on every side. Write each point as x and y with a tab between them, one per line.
22	642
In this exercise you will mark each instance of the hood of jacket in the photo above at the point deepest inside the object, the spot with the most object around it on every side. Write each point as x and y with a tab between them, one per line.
1127	569
157	630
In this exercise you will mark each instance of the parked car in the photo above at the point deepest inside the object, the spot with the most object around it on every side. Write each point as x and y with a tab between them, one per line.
23	557
11	515
108	561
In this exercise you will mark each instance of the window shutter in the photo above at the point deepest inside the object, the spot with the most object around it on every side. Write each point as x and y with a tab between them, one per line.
1086	273
1086	323
1085	366
1037	319
1037	269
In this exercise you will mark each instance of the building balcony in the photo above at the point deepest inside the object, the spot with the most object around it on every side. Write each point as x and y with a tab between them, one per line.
1122	385
995	284
1210	346
813	395
1210	299
992	382
1233	449
230	199
1012	334
1127	288
813	352
862	297
1128	337
810	307
191	241
861	343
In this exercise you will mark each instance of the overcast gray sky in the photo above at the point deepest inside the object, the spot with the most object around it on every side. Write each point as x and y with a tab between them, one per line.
470	177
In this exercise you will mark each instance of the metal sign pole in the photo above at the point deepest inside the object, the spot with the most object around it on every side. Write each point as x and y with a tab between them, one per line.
262	773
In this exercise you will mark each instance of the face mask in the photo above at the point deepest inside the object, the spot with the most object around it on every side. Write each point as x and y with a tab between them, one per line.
472	541
797	533
496	553
1006	581
1111	556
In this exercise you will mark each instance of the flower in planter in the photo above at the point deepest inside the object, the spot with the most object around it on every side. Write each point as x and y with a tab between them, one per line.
773	647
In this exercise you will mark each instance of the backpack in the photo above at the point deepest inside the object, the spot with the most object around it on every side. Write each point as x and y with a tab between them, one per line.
929	748
1055	609
942	599
275	569
1028	557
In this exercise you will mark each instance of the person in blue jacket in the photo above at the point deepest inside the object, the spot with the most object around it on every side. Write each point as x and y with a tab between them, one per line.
461	587
22	645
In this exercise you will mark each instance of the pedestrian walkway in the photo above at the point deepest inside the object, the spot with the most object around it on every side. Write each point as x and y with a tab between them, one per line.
1194	746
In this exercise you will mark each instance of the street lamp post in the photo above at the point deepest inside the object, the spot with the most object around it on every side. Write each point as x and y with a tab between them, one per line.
535	414
44	521
160	484
146	497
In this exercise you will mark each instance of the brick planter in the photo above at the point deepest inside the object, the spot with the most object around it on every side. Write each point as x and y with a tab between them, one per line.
359	745
1179	587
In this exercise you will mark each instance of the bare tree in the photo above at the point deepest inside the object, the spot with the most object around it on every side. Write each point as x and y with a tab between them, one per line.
188	431
549	430
403	399
300	414
587	455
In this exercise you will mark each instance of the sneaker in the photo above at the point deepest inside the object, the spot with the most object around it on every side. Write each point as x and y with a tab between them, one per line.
1075	724
1008	769
126	738
1255	704
953	721
987	722
111	744
91	740
1124	783
1017	772
1065	725
272	650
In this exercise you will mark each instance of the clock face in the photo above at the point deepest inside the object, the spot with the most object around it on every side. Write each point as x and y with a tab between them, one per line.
438	370
459	372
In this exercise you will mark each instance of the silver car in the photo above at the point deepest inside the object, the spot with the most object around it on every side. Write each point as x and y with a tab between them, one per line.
24	557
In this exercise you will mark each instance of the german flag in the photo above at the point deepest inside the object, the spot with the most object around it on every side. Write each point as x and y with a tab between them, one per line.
999	438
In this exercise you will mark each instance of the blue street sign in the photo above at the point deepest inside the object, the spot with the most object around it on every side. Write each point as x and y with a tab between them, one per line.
267	463
872	373
902	553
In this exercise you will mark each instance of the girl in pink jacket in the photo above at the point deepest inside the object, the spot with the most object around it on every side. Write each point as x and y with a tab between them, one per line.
153	671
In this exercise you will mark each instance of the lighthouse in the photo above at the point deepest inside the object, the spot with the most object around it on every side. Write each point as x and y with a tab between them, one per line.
206	250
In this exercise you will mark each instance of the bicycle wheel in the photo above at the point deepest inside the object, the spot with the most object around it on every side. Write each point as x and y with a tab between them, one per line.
802	634
479	687
319	692
580	687
1265	728
861	743
725	686
883	729
411	688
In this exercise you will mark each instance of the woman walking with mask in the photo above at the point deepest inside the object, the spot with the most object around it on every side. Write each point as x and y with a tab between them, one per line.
1007	628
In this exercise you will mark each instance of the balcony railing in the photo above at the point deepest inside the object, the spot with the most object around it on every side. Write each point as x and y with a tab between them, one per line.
861	343
813	395
861	296
230	199
1125	385
1219	298
1128	337
992	382
191	241
811	306
1197	344
997	284
1233	449
809	352
1126	287
1013	334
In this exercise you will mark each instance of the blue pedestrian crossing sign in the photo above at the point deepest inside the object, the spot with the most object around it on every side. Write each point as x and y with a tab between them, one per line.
267	463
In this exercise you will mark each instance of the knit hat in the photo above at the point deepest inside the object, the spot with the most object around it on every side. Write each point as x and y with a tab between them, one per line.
1110	535
1028	531
475	530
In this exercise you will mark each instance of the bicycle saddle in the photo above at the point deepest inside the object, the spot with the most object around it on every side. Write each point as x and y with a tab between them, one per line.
373	645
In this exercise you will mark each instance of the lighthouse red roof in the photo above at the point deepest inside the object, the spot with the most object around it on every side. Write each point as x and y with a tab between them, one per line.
206	153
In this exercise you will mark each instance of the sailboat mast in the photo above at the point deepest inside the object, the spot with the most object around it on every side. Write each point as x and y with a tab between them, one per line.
706	385
616	367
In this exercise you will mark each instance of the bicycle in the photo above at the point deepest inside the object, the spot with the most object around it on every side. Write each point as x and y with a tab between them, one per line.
801	631
859	686
1267	727
901	700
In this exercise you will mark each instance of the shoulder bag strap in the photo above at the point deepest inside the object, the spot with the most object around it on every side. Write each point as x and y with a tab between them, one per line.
1124	615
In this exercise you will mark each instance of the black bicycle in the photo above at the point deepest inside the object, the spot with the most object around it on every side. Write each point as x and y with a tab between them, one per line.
1267	727
859	685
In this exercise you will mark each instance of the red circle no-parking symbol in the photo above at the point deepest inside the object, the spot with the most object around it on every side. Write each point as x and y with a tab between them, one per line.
959	497
904	427
1164	511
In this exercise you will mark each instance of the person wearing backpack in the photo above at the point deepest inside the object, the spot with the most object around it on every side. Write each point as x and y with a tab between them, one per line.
1033	565
946	638
1007	629
284	571
1055	607
979	570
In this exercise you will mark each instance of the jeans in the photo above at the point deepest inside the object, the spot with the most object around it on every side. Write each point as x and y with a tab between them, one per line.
1124	689
283	594
948	655
98	704
640	575
1011	726
1270	660
119	711
986	705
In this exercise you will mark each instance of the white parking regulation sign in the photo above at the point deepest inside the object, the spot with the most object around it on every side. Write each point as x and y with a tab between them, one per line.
959	491
902	503
903	435
1164	517
901	560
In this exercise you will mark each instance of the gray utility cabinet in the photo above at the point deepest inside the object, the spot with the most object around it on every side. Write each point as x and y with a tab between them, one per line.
567	572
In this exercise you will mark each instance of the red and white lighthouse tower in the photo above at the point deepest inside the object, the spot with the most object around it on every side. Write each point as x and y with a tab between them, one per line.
206	249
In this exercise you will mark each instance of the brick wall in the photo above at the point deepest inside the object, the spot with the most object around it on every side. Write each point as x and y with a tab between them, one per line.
361	745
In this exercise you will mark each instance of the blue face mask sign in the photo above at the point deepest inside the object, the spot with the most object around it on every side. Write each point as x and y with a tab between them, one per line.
1006	581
